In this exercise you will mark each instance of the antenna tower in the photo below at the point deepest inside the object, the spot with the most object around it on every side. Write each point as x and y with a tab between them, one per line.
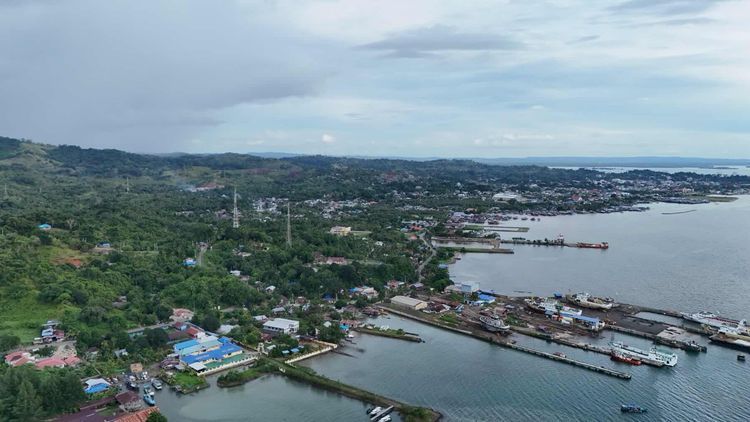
288	227
235	212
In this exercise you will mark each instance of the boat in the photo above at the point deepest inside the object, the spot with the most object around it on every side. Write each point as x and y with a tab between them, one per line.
385	418
741	358
132	385
375	411
619	357
549	305
653	356
631	408
734	343
495	325
157	384
147	390
602	245
149	400
560	354
712	320
586	300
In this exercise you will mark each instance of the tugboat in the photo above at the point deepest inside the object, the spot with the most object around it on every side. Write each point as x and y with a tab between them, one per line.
631	408
619	357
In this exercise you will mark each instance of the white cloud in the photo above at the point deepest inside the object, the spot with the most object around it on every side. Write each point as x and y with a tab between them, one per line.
327	138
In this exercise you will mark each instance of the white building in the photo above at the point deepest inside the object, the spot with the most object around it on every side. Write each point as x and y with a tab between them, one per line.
341	230
281	326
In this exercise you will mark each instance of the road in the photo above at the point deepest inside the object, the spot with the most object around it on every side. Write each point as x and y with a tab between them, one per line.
433	251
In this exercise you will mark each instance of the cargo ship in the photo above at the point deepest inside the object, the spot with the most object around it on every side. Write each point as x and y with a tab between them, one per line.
586	300
733	342
653	356
549	305
601	245
494	325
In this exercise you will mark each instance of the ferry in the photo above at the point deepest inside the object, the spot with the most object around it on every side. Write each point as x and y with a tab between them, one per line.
652	357
586	300
711	319
549	305
631	408
495	325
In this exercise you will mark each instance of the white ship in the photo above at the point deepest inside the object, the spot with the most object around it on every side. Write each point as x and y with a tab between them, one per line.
652	357
495	325
550	305
715	321
587	301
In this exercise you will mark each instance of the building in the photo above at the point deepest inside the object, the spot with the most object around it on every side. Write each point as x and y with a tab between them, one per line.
408	302
463	288
281	326
208	354
341	231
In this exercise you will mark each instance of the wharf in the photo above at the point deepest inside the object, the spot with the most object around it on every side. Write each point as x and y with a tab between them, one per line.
488	337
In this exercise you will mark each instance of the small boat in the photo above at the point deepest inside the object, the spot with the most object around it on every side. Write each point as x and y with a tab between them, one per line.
619	357
385	418
157	384
559	354
132	385
375	411
741	358
147	390
631	408
149	400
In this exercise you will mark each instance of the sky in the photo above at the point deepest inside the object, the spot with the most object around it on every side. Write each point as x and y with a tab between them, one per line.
413	78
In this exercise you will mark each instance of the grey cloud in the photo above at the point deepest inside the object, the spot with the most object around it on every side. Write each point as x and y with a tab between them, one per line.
146	75
587	38
439	38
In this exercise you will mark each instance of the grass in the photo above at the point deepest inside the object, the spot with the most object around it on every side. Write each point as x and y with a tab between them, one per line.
449	318
23	317
187	382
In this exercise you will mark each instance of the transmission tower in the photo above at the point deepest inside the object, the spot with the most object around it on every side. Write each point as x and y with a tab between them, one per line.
235	212
288	227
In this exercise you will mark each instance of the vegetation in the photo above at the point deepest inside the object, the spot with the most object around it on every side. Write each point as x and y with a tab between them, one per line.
30	395
234	378
187	382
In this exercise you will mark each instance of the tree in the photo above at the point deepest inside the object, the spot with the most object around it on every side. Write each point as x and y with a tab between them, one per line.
156	417
156	338
28	406
211	323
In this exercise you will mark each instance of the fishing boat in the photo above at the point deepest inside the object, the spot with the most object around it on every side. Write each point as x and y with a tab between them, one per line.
587	301
631	408
495	325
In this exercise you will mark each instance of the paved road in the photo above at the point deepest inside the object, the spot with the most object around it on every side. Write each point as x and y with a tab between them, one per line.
433	251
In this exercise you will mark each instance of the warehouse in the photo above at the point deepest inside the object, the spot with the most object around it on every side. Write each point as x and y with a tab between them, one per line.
407	302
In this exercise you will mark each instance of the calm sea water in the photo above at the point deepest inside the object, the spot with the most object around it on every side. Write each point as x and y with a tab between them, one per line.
687	262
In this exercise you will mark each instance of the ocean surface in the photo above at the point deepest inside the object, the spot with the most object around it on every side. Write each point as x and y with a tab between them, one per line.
693	261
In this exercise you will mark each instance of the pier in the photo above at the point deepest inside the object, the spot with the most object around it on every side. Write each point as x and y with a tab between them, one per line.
488	337
389	334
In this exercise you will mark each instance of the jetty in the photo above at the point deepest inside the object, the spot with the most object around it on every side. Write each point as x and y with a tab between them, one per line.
390	334
491	338
309	376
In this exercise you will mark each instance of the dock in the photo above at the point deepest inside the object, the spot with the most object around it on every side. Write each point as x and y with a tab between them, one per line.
488	337
389	334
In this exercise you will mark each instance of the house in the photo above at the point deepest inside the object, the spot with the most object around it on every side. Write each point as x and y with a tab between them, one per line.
365	291
138	416
44	227
409	303
336	260
51	362
193	331
340	231
394	284
463	288
181	314
96	385
278	310
189	262
260	318
281	326
18	358
270	289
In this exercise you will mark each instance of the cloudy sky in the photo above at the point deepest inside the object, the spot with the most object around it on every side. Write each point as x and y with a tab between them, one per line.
398	78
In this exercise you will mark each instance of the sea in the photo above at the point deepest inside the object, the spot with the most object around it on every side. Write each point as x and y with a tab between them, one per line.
691	261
